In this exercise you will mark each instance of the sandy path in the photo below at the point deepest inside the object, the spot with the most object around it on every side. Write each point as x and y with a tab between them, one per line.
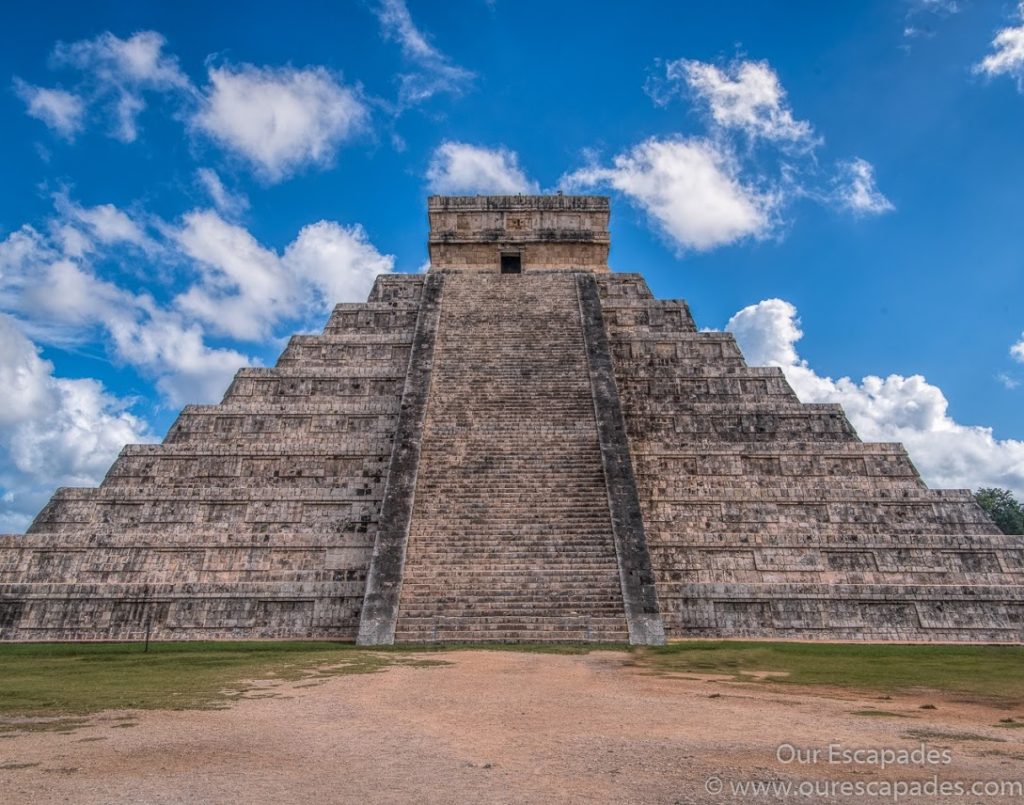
495	727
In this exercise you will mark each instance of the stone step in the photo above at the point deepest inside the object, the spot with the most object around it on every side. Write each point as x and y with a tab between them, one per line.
511	526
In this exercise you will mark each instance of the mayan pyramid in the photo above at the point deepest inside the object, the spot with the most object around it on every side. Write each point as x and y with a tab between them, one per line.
518	444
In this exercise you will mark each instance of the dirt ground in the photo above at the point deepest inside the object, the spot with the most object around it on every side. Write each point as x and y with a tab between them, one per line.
507	727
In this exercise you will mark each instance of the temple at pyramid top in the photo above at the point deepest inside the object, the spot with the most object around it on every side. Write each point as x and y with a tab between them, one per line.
514	234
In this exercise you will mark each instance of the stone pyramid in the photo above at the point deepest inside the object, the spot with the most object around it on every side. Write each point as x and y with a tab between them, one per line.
517	445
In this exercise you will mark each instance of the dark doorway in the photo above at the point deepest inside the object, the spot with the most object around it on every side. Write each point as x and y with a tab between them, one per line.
511	264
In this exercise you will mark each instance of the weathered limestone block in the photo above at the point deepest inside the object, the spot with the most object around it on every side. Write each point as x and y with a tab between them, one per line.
255	518
727	460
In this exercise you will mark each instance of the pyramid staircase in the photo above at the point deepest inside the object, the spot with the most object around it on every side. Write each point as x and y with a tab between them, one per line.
511	535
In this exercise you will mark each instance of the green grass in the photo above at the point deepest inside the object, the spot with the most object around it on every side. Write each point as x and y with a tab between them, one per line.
72	679
977	673
51	680
928	735
51	686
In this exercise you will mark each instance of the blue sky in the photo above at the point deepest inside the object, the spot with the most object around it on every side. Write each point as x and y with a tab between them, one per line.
839	184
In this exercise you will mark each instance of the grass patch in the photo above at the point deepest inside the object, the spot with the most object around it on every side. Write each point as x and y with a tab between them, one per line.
993	674
44	680
52	683
940	735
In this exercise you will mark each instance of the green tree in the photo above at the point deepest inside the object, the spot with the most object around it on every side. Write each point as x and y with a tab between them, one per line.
1004	509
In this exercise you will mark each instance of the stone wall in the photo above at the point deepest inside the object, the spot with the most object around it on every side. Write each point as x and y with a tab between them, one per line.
564	440
548	232
255	518
486	257
769	518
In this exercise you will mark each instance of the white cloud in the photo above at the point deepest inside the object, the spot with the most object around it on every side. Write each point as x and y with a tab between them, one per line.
226	202
921	14
241	290
464	169
937	6
61	300
120	70
746	95
235	287
1017	350
1007	57
856	190
280	120
704	192
895	408
105	222
1007	381
397	24
126	113
339	262
436	73
173	351
138	60
53	431
62	111
56	294
691	188
245	289
277	119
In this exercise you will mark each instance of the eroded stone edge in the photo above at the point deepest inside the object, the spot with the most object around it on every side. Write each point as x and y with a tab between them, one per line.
639	594
379	614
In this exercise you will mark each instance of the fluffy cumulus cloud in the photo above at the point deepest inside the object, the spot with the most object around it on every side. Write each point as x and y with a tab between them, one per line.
281	119
245	289
62	111
240	288
105	223
1017	350
857	191
433	71
338	263
119	71
137	61
167	346
53	431
235	288
60	298
1007	56
745	95
464	169
891	409
738	181
277	119
691	188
